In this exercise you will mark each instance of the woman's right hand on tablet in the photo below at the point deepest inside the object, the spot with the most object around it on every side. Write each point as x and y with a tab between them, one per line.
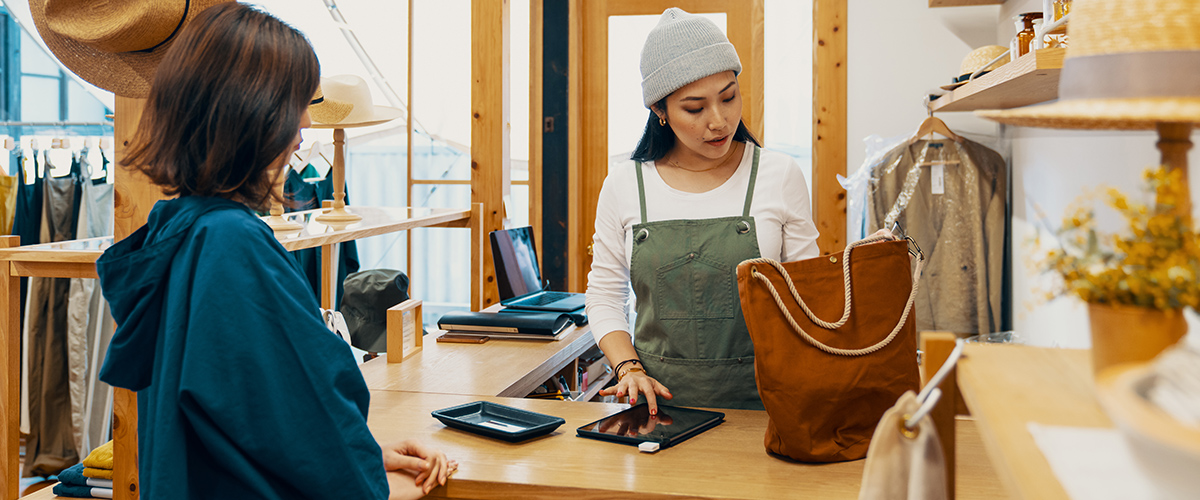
636	383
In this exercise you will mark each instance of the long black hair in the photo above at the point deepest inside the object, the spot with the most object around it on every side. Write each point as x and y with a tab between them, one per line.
658	138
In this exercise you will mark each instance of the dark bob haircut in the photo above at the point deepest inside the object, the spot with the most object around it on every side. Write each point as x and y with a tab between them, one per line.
225	106
658	139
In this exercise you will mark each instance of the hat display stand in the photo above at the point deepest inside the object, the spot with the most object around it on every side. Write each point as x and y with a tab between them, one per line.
338	215
277	222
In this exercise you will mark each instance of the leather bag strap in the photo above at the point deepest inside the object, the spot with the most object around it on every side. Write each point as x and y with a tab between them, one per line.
912	296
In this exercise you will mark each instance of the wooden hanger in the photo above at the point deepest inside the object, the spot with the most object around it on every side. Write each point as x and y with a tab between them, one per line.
934	125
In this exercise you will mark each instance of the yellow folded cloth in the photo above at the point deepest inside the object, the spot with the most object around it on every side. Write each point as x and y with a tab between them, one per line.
97	473
100	458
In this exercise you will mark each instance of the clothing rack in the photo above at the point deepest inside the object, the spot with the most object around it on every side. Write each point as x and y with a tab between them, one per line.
56	124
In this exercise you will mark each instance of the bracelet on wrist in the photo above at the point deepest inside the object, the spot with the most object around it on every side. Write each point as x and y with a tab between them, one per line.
630	370
620	365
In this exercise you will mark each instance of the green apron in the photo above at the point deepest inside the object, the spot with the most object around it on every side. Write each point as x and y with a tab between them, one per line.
689	332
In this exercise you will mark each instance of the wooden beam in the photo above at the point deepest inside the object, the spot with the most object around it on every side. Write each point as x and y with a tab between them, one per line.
535	126
489	123
829	123
937	347
10	368
135	196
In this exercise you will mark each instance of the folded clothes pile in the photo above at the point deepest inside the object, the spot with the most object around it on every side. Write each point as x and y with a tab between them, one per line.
72	483
99	463
90	479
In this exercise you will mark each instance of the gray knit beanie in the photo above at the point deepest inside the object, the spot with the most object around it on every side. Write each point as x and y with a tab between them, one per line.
681	49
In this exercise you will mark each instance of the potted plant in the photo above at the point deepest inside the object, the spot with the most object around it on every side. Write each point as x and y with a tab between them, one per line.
1136	283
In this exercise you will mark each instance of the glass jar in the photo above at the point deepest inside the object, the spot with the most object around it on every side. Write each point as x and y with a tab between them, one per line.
1025	34
1061	8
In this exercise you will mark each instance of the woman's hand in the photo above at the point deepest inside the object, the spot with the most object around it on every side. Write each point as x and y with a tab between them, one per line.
884	232
637	382
401	486
425	467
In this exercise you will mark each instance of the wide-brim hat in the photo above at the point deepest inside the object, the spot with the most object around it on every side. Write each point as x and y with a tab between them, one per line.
366	297
344	101
114	45
1130	65
975	61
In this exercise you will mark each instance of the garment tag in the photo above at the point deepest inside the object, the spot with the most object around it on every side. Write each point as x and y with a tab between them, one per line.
937	179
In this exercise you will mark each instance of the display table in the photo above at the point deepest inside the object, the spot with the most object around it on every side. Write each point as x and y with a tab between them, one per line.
1007	387
728	461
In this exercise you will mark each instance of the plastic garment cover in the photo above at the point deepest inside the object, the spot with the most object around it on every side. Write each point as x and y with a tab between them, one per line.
856	185
950	197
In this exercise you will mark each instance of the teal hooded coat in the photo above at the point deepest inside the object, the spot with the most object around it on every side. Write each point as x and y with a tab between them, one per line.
242	391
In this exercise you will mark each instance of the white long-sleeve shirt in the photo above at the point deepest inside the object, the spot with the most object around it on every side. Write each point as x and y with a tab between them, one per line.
781	210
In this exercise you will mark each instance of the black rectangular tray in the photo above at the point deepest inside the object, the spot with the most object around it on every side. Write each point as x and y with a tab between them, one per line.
498	421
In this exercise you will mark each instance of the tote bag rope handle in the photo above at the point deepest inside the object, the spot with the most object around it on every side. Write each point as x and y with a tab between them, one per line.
912	296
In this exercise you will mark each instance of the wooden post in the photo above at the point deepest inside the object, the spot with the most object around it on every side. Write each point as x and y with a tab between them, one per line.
829	123
937	347
10	367
1174	141
135	196
489	123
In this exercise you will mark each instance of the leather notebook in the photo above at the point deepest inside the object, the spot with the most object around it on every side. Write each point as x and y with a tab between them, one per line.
499	324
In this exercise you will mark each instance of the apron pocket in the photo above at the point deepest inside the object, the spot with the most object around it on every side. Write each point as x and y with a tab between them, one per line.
692	287
708	383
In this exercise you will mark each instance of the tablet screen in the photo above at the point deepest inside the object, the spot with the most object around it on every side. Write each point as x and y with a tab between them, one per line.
669	424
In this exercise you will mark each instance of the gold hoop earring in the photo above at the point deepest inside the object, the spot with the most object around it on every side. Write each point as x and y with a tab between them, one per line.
662	121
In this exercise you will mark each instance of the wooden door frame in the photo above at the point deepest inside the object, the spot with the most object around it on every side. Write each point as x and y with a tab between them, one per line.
589	99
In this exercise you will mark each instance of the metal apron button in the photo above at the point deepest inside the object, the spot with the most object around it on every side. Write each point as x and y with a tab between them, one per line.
743	227
642	235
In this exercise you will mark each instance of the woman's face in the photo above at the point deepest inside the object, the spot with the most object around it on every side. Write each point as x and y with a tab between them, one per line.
704	115
282	162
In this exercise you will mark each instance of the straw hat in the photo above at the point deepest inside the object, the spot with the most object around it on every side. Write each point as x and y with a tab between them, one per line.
975	60
114	45
1131	64
344	101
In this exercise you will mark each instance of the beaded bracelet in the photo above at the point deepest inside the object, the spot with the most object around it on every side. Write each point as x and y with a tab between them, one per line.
617	370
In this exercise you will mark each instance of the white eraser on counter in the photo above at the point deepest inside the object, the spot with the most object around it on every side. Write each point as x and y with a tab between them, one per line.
648	447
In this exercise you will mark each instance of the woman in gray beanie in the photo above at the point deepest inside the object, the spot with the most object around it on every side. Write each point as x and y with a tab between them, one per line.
697	197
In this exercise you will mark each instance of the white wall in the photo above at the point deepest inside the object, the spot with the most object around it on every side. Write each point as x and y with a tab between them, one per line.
898	49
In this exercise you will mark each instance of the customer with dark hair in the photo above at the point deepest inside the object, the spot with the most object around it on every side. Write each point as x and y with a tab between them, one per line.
242	391
697	198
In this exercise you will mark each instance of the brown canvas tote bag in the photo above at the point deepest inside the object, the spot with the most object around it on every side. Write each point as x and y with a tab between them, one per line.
825	385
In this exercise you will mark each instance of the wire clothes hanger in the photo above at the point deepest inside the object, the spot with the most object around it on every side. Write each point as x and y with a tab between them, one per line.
931	394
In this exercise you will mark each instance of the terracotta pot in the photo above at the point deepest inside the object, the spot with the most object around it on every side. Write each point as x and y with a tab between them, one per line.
1128	334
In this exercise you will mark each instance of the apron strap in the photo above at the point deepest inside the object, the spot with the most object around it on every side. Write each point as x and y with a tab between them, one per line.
641	191
750	186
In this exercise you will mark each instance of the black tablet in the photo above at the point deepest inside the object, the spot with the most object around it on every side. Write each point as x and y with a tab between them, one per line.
635	425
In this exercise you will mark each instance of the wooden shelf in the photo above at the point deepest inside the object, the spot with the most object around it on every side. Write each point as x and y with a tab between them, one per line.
594	387
963	3
1031	79
73	259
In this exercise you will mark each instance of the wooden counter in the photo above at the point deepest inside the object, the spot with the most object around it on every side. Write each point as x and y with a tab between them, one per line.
727	461
509	368
1008	386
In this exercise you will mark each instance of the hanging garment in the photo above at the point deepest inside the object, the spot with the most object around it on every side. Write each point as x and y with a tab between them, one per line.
955	210
87	330
299	195
28	225
50	446
689	328
8	202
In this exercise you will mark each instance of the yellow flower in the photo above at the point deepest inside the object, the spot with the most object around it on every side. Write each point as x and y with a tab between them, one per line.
1155	263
